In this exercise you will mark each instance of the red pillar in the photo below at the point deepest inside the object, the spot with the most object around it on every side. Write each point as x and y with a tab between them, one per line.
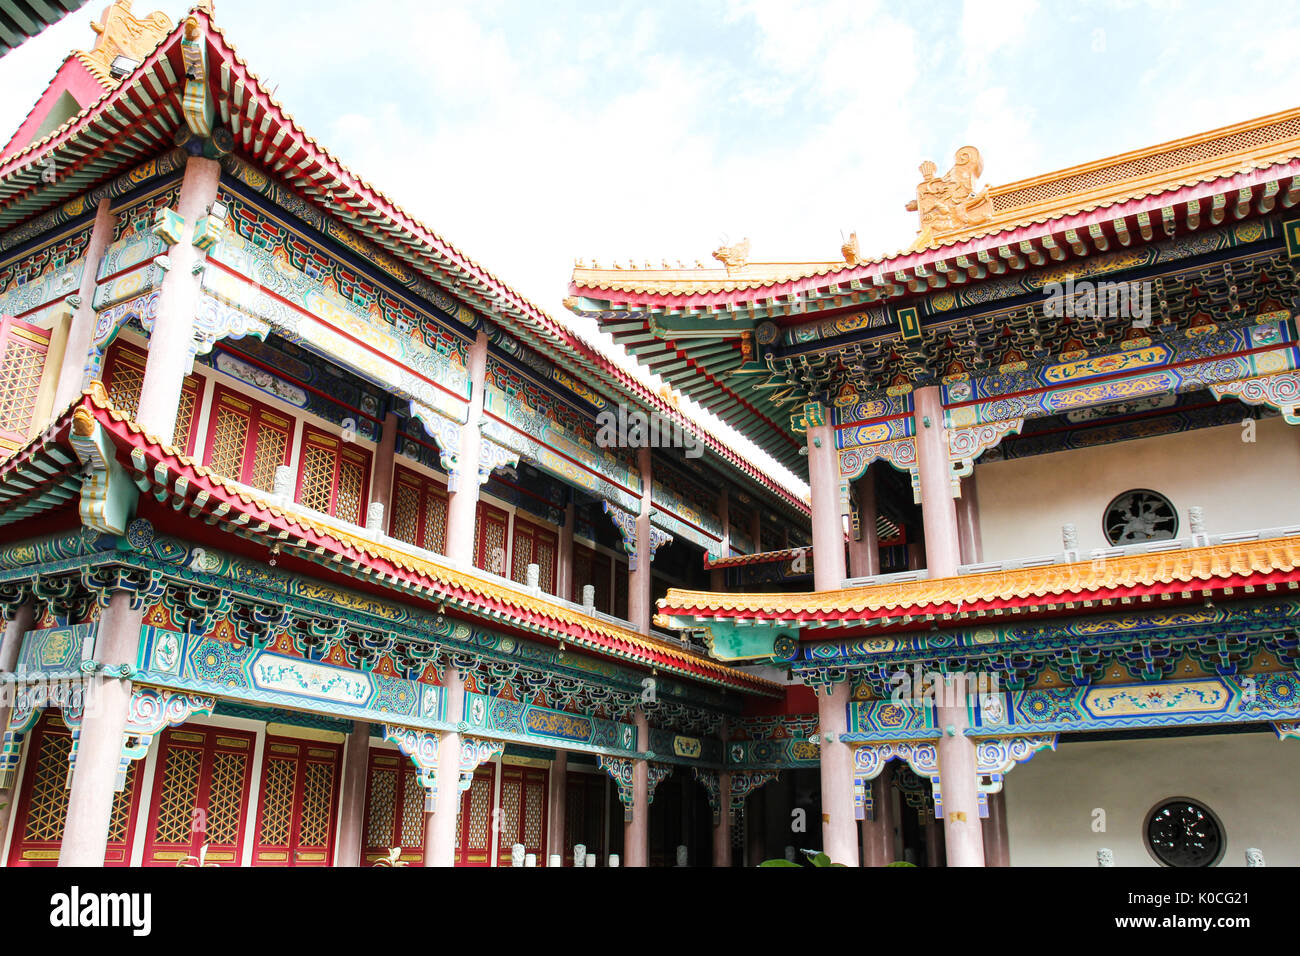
718	576
557	793
824	481
99	747
636	832
172	337
864	551
878	833
958	781
639	590
997	847
356	764
722	830
381	485
564	561
76	352
839	823
463	483
968	522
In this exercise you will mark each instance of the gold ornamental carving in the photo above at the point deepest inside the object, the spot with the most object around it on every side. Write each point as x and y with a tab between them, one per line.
951	203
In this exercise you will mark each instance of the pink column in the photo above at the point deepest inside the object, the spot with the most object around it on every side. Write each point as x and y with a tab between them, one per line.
639	592
99	748
636	832
356	763
864	552
878	834
556	797
968	522
722	831
718	576
997	849
463	483
959	784
938	512
839	824
172	337
963	834
564	560
381	486
76	352
827	525
440	825
9	648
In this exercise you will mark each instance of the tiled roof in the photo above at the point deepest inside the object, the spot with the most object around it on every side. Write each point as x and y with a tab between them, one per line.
166	472
1265	564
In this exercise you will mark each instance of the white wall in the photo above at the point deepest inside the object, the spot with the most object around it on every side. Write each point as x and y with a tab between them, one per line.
1249	781
1024	502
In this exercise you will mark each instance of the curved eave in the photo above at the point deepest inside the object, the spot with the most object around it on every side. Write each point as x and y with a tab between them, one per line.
1265	565
204	495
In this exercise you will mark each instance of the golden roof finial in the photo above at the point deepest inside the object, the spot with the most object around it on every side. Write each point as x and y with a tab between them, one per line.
121	34
951	203
733	257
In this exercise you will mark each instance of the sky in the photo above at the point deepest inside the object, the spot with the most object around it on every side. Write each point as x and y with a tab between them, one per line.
531	133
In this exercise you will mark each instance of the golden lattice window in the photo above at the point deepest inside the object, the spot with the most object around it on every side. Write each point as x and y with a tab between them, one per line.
490	538
178	796
279	776
334	476
246	440
381	808
314	824
419	511
22	362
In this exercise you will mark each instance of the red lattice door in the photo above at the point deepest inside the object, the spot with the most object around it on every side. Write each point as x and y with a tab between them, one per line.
491	526
200	795
474	826
394	809
42	810
298	802
523	812
534	545
584	814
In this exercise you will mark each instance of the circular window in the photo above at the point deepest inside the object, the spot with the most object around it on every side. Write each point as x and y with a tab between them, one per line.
1140	515
1184	833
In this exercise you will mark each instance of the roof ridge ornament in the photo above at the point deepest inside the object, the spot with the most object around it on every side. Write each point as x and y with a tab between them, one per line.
951	203
120	34
734	257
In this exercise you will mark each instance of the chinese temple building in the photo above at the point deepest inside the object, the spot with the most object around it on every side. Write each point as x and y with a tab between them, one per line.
312	551
1052	459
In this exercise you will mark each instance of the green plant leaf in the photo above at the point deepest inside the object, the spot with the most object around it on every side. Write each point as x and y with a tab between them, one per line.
779	863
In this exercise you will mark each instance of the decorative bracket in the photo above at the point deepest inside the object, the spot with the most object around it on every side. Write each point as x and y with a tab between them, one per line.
745	782
422	747
108	496
475	751
1281	391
